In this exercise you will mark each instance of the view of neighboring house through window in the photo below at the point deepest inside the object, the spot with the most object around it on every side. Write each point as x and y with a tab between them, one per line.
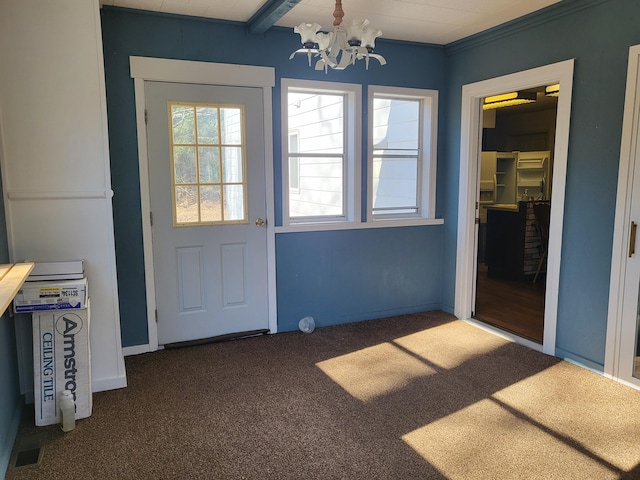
207	155
320	165
402	153
319	159
396	126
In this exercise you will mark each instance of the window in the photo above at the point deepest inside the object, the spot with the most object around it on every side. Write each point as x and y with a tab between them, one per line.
320	147
207	160
402	153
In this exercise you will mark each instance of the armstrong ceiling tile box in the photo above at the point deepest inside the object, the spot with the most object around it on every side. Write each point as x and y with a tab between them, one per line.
55	295
61	361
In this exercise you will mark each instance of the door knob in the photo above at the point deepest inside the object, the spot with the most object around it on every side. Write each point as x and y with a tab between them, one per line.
260	222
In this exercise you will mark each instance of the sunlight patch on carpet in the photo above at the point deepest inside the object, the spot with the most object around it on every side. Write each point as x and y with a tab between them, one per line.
450	345
583	406
477	442
374	371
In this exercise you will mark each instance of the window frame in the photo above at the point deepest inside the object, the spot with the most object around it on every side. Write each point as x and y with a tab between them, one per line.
427	157
352	194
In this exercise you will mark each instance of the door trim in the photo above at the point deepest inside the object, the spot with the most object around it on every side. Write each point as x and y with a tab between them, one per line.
182	71
470	147
630	129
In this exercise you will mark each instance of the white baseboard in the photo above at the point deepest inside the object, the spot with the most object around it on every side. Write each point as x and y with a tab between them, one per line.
136	350
109	383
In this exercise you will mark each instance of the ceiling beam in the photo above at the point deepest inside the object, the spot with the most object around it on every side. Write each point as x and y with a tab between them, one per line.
269	14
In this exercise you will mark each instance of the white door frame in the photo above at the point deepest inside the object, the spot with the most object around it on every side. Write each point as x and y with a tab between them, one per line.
204	73
630	128
470	147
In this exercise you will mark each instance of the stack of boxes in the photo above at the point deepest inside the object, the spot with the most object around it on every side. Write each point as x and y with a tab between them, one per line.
56	294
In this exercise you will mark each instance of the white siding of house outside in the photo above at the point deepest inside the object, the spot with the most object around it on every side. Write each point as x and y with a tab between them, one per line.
396	132
318	120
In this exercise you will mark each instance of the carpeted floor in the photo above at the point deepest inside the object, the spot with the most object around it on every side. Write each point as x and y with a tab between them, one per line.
419	396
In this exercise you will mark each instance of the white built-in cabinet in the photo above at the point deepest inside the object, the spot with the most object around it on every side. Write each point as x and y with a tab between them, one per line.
508	177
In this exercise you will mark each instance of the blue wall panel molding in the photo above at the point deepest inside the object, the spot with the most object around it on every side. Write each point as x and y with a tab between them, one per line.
135	33
598	38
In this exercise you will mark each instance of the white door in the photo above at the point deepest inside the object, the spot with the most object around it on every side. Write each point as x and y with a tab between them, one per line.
208	203
629	358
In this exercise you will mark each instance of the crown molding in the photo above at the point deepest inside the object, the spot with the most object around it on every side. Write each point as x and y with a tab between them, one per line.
532	20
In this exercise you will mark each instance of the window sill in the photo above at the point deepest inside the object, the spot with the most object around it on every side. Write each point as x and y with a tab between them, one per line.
386	223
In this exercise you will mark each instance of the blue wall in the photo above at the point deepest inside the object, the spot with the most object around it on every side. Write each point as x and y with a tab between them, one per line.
10	399
339	277
355	271
598	35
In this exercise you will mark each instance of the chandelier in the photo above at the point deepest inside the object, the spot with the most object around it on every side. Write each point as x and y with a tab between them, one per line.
343	46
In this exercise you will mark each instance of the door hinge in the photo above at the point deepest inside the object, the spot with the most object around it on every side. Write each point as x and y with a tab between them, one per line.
477	221
477	205
146	116
151	218
156	315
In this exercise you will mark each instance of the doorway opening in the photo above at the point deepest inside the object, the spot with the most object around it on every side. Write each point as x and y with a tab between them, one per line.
514	204
473	95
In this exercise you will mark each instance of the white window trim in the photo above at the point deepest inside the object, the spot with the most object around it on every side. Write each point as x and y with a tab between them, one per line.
427	170
353	154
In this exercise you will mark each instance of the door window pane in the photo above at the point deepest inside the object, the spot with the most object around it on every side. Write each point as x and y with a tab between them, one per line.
233	202
207	125
208	163
232	164
231	128
184	164
210	204
186	204
182	124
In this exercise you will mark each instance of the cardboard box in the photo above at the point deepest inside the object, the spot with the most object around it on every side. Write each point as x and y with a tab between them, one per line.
61	361
71	270
62	295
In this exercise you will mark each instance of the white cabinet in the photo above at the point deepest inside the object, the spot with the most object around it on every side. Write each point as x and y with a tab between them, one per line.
508	177
533	178
498	178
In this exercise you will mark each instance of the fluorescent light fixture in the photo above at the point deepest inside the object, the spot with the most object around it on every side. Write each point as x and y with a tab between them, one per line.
508	100
552	90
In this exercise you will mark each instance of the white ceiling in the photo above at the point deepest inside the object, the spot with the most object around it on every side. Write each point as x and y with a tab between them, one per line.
428	21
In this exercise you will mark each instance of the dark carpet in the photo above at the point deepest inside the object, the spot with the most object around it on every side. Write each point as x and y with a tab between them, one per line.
421	396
